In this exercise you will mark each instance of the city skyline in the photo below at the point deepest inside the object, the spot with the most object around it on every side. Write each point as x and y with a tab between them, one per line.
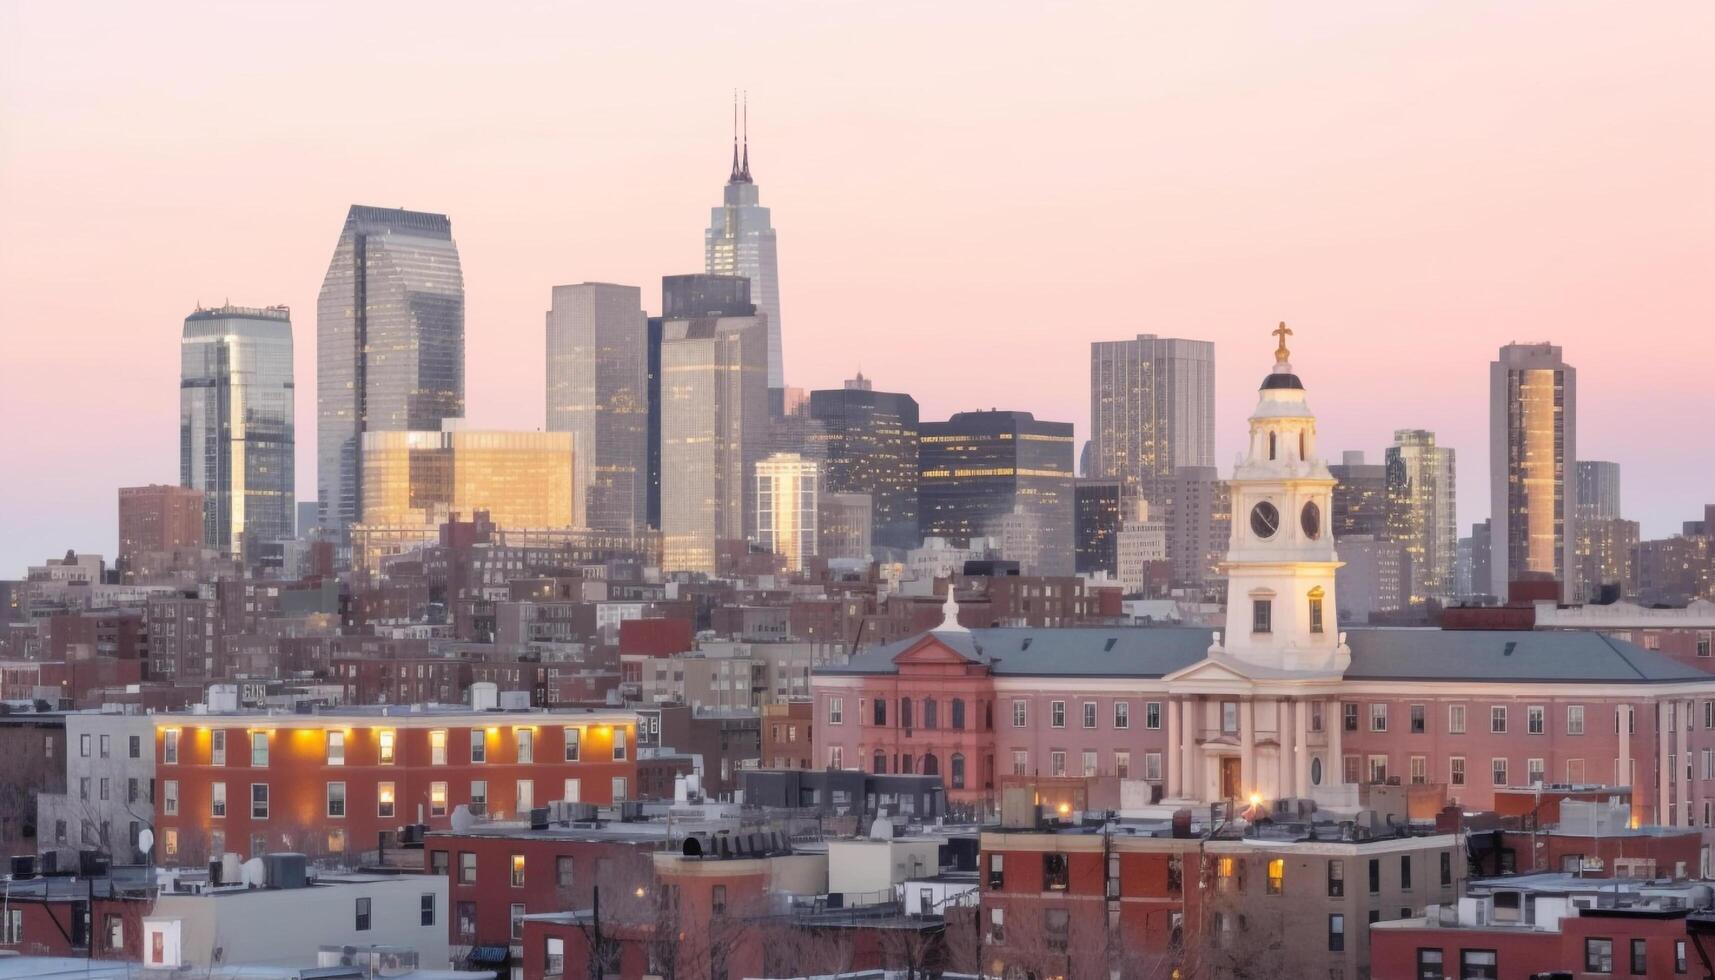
1438	322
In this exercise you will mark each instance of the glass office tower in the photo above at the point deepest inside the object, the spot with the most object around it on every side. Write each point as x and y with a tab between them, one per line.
598	381
389	344
978	468
1533	453
235	424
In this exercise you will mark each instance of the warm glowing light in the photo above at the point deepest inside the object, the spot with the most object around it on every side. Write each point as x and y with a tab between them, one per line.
1065	808
639	891
1256	799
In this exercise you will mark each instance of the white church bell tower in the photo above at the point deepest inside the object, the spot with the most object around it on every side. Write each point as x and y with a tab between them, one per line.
1281	560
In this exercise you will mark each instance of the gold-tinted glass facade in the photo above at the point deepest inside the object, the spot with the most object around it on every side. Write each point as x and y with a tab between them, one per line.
522	479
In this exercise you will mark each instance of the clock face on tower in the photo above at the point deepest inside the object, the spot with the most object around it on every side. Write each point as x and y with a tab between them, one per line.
1311	520
1265	520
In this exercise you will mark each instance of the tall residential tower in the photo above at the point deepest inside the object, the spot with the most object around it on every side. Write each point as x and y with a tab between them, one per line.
1421	510
389	344
740	242
1533	400
236	430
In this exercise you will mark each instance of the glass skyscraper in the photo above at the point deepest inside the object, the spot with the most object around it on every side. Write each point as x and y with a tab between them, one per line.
1152	410
870	440
1421	510
978	469
598	381
1533	453
740	242
389	344
235	424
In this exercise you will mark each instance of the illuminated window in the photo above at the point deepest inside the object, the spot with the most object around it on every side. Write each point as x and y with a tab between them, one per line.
217	799
619	744
384	746
478	745
217	747
517	871
170	746
336	748
573	743
384	800
1276	876
437	799
438	747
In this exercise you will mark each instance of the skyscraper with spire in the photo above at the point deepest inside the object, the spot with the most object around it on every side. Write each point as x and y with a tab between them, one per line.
740	242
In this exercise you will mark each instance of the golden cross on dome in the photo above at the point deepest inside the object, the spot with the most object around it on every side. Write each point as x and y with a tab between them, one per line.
1281	353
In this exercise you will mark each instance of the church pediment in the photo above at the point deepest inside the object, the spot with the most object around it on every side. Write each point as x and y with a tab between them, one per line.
932	652
1222	673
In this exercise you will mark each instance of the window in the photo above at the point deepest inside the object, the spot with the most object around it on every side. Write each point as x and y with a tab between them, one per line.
1405	872
426	909
467	868
907	717
1090	765
258	801
879	763
136	746
620	787
1057	714
1020	762
1229	717
336	748
83	745
384	742
1598	955
438	863
1447	867
1679	944
170	747
1640	957
1378	717
1262	616
1336	933
437	799
997	925
1151	716
554	957
836	757
1089	714
478	745
1018	713
1498	768
1151	766
836	711
958	714
363	917
1478	964
1455	719
1418	723
259	749
958	770
479	796
1122	714
517	871
336	799
1375	876
1316	614
1429	966
1705	641
438	747
1575	719
217	747
1533	719
12	927
1054	874
619	743
572	743
1456	771
384	800
1056	923
1534	772
1498	719
1349	716
217	799
565	871
573	790
524	797
170	797
115	927
1336	878
1419	770
526	744
880	711
1057	763
1378	768
467	921
1276	876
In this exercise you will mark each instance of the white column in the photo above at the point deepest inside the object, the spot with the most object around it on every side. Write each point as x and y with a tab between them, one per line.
1664	772
1336	764
1682	816
1301	745
1287	763
1191	710
1624	776
1175	755
1247	748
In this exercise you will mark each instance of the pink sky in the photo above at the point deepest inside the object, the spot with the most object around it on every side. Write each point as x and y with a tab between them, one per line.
966	193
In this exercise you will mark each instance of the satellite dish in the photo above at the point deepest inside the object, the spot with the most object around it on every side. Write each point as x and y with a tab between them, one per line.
146	841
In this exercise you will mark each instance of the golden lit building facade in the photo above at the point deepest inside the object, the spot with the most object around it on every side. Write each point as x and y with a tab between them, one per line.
1533	399
787	507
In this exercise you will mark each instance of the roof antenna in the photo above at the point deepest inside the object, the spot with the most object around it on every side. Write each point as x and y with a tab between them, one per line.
735	172
747	136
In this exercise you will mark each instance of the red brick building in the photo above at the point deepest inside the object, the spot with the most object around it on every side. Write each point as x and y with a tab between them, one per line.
334	783
159	518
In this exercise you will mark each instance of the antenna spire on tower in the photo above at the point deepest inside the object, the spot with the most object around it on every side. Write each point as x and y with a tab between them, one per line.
746	172
735	171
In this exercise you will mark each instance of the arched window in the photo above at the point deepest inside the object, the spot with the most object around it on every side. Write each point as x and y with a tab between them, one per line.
905	713
959	713
1271	445
880	761
931	765
931	716
958	770
1316	771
